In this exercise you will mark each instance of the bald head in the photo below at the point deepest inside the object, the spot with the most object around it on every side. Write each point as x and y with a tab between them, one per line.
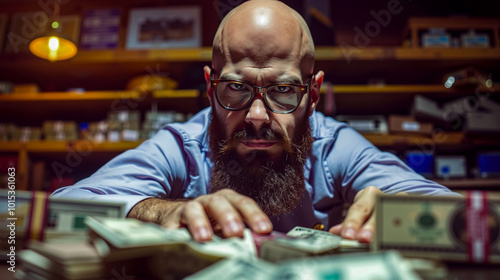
260	32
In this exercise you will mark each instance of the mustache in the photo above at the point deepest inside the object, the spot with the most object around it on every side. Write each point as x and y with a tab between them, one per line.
250	133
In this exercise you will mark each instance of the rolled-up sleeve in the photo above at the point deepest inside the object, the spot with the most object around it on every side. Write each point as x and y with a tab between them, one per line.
357	164
150	170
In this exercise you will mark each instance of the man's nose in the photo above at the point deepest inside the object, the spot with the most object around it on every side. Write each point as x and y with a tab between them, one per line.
257	114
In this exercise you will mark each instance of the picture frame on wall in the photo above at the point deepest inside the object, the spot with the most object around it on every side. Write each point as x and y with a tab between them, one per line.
3	29
168	27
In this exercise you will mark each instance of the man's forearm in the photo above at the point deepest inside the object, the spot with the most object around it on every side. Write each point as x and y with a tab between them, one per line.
155	210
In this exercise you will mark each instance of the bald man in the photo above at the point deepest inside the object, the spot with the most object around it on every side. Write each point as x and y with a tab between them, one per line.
260	156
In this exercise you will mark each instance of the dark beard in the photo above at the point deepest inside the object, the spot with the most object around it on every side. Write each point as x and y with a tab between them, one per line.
277	185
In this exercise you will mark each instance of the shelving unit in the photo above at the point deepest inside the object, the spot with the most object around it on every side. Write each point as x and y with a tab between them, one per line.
405	71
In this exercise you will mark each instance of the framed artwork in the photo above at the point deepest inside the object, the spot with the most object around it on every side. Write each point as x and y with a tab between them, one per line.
3	28
25	27
157	28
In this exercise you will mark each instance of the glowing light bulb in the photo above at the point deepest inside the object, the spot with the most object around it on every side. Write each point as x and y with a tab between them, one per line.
53	43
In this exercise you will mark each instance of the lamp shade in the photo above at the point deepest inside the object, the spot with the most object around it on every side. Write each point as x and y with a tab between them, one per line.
53	46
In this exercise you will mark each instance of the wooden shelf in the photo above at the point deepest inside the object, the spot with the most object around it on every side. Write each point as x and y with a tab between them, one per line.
65	146
398	89
448	138
70	96
95	95
470	183
187	93
322	53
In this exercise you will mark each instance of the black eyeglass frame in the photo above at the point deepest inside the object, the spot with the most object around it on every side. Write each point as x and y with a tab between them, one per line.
304	89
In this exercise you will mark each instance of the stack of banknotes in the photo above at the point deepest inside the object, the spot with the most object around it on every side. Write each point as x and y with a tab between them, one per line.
121	248
413	235
458	229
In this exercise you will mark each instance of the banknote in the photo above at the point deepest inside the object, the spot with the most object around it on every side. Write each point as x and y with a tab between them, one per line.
237	268
383	265
443	228
298	243
36	216
325	238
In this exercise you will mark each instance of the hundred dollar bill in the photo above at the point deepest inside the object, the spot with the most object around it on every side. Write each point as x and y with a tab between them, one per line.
445	228
241	269
171	252
325	238
36	216
382	265
277	246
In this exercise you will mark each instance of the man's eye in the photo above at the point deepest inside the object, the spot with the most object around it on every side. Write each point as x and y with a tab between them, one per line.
283	89
235	86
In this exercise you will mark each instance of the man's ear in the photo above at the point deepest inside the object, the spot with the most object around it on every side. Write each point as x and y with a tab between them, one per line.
207	70
315	90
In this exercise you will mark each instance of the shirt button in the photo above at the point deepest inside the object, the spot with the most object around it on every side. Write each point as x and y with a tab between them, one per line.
319	226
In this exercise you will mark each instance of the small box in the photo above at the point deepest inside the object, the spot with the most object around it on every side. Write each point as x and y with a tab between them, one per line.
451	167
436	38
489	164
427	109
365	123
474	40
420	162
476	122
409	124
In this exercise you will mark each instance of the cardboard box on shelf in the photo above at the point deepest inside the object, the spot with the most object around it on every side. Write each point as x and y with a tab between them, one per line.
408	124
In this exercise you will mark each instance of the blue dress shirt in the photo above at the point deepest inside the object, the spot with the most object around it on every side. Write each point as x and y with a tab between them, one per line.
175	163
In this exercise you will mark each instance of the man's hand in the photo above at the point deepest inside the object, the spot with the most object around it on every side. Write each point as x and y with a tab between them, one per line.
359	223
225	210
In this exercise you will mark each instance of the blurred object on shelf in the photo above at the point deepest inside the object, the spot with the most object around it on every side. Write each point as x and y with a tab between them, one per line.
475	40
60	130
426	109
436	38
467	77
26	134
155	120
479	114
6	87
365	123
421	162
7	131
6	162
151	82
449	31
408	124
489	164
100	29
38	176
123	126
451	166
26	88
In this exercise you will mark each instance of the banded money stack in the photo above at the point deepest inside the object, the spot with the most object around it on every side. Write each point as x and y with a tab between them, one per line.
445	228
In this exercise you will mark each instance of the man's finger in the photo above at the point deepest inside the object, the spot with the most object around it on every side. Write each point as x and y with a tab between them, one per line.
251	213
193	215
224	213
367	231
359	212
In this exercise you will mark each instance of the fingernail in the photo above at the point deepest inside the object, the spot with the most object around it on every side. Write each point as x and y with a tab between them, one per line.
366	234
234	227
349	233
263	226
203	233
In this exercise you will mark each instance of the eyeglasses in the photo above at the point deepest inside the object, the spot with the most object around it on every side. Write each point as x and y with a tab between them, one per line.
235	95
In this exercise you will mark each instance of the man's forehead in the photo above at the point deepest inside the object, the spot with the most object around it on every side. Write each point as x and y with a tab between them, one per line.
261	35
